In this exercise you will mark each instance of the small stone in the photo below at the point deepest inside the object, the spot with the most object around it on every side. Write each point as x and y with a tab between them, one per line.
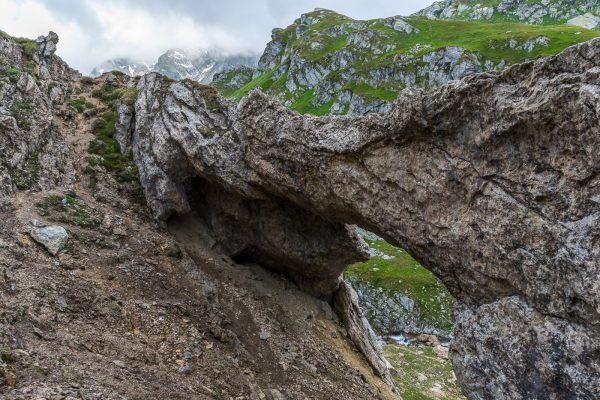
187	355
309	366
441	351
53	238
263	335
421	377
276	394
186	369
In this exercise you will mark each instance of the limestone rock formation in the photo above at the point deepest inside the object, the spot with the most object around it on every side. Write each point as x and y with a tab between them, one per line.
32	151
587	20
359	330
491	182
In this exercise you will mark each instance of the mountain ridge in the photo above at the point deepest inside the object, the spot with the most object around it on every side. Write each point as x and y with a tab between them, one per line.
327	63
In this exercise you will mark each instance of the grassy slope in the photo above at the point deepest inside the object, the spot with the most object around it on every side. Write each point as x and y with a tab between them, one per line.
436	381
489	40
403	274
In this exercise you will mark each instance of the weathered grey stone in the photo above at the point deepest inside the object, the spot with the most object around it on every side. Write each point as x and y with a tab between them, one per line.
47	44
587	21
346	305
33	153
391	313
551	358
400	25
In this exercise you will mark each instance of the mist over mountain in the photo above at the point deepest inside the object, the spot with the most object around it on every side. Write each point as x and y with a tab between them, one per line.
200	65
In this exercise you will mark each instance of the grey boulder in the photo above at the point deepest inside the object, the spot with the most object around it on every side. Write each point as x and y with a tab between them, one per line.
53	238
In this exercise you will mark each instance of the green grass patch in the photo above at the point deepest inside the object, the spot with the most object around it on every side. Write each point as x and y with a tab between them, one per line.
24	178
403	274
21	110
491	39
108	151
28	46
112	95
263	82
421	375
105	152
80	105
304	104
67	209
369	92
12	72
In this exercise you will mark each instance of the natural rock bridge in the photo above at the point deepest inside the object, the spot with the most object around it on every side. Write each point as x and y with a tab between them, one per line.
492	182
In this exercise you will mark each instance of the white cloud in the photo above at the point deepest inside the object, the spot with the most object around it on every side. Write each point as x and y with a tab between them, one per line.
92	31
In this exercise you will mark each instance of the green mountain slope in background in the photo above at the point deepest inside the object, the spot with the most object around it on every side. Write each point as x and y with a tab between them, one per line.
326	63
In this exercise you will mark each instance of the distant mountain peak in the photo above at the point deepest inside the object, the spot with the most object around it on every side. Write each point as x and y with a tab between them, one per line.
200	65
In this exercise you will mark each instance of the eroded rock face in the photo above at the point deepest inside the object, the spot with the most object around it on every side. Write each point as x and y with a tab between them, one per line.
33	153
188	118
491	182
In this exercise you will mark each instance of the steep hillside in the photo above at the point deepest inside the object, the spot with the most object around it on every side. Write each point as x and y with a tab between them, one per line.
326	63
99	301
539	12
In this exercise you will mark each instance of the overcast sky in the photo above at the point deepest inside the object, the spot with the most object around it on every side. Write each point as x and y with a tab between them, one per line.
92	31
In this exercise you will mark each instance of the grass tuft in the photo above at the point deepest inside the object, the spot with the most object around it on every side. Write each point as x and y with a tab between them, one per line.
67	209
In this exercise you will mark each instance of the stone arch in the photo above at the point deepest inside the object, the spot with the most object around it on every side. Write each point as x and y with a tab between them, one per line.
491	182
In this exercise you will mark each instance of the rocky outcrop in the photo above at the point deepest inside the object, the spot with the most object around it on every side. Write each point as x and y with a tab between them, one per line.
587	21
33	153
393	312
491	182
